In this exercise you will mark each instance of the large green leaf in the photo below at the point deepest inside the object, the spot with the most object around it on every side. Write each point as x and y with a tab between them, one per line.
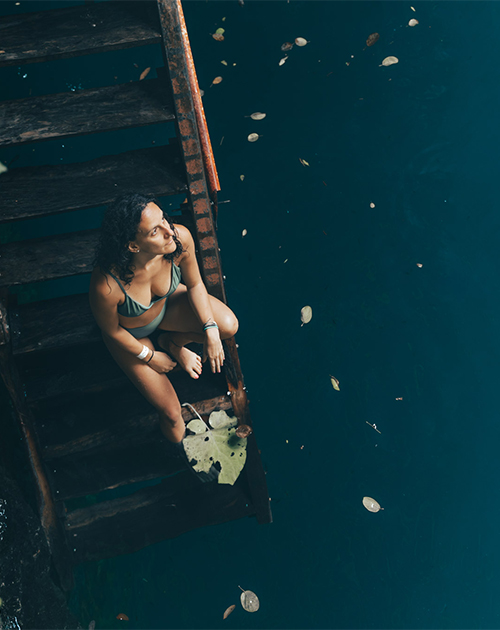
219	444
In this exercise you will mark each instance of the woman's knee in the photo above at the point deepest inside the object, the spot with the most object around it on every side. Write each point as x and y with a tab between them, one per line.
228	325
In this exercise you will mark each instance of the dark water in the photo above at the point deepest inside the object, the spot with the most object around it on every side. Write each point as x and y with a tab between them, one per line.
419	140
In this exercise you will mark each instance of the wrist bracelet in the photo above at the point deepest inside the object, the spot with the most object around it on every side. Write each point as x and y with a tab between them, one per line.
143	353
152	355
207	326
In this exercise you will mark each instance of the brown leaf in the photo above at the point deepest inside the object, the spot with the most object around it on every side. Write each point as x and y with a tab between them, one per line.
144	74
243	430
286	46
219	37
228	611
122	617
372	39
217	80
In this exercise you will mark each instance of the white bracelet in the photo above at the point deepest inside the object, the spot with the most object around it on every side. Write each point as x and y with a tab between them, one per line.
144	353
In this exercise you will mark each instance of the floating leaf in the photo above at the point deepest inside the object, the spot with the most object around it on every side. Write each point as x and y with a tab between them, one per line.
242	177
371	505
253	137
220	444
388	61
419	265
3	168
249	601
243	431
216	80
372	39
306	314
286	46
399	398
282	61
144	74
228	611
372	205
257	116
413	22
218	37
412	8
224	63
335	383
303	162
122	617
220	31
244	233
300	41
196	426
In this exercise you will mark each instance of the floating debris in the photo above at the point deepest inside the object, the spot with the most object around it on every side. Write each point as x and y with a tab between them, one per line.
257	116
242	177
372	205
371	505
228	611
3	168
249	600
419	265
401	398
144	74
282	61
335	383
224	63
388	61
373	426
216	81
253	137
303	162
413	22
412	8
286	46
372	39
300	41
244	233
243	430
219	35
306	314
122	617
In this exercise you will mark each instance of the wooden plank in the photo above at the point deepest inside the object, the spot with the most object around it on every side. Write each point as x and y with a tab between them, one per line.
84	112
69	428
166	510
90	368
50	257
68	187
75	31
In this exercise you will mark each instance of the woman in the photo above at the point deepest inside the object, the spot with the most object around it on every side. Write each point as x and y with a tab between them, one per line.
135	289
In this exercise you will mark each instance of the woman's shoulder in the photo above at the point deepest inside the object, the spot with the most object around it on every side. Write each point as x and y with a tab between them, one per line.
103	284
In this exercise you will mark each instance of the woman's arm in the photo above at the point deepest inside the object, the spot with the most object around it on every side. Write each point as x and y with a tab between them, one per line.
200	301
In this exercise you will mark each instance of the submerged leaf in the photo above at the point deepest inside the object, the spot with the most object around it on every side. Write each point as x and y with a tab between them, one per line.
374	37
228	611
413	22
306	314
388	61
335	383
253	137
286	46
249	601
300	41
257	116
144	74
371	505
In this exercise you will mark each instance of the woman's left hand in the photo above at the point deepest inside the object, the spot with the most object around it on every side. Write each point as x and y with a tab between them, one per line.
213	350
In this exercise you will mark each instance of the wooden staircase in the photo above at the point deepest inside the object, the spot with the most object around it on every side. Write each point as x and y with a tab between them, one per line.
59	374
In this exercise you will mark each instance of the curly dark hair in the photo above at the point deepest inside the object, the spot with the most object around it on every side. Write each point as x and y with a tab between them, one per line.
119	227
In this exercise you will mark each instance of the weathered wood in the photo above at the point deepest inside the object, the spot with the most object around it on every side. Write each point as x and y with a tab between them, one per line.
187	131
87	111
44	190
167	510
75	31
66	430
46	509
90	368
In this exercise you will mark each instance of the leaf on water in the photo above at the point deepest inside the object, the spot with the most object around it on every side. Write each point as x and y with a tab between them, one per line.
300	41
3	168
412	8
399	398
335	383
282	61
122	617
372	205
228	611
220	31
303	162
224	63
371	505
286	46
218	37
243	431
244	233
220	444
372	39
242	177
413	22
388	61
419	265
144	74
249	601
216	80
306	314
257	116
253	137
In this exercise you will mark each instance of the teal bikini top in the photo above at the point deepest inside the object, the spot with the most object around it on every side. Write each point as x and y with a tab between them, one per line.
132	308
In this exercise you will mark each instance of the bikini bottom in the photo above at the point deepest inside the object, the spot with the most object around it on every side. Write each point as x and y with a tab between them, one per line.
148	329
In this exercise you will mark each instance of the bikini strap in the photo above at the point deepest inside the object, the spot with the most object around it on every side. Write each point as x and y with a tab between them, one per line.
119	283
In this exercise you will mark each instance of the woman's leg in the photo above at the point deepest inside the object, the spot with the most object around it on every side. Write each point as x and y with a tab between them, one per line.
156	388
184	327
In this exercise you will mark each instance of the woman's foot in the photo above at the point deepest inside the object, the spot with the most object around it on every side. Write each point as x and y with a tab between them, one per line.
188	360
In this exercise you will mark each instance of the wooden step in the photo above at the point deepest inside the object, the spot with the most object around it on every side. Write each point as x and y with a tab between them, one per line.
89	368
84	112
51	257
166	510
66	428
75	31
44	190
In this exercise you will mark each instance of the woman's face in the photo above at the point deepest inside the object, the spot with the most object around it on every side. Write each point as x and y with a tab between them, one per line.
154	234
